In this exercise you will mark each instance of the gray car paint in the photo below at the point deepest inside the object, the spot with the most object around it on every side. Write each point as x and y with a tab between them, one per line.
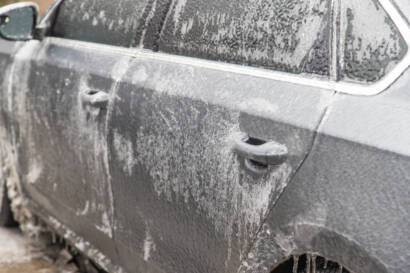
150	198
49	120
311	214
157	193
349	201
176	180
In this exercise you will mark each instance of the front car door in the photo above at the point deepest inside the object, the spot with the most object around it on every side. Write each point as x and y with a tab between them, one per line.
58	109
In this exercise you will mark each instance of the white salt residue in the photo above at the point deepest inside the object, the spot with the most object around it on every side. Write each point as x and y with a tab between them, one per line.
86	16
102	17
383	47
147	22
18	90
285	242
91	133
56	224
259	106
83	245
124	148
21	61
187	150
36	168
140	75
115	19
291	21
117	73
85	210
187	26
178	8
105	227
120	68
317	215
120	21
95	21
149	245
14	248
80	245
101	14
67	82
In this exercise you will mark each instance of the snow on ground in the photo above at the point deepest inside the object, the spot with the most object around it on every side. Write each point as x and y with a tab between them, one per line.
18	256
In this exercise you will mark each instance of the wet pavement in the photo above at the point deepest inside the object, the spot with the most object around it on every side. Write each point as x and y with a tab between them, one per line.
17	255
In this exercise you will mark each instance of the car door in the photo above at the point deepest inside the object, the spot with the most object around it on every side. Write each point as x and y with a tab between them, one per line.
7	51
60	95
190	190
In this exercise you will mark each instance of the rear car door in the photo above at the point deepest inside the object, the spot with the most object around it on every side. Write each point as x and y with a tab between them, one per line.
189	193
60	95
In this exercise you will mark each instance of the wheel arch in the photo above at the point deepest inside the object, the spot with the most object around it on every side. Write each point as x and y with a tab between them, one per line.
348	203
276	245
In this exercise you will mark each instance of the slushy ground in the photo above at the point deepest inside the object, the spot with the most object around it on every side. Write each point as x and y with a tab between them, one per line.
18	256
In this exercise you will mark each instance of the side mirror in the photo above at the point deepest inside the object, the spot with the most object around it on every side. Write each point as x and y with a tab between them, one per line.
17	21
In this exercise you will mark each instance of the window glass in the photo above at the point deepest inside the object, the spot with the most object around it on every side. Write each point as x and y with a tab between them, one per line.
285	35
370	42
109	22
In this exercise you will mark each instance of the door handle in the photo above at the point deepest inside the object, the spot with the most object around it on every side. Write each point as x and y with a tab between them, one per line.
94	98
263	152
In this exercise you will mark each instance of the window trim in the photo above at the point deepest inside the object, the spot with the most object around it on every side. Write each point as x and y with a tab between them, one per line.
311	80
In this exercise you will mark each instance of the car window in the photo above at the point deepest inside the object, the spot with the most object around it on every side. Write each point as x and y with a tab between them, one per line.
118	23
285	35
370	42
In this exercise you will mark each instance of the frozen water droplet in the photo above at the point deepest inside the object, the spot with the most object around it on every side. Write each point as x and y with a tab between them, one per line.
308	258
295	263
313	263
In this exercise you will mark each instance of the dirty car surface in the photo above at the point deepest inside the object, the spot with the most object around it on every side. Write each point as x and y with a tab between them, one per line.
217	136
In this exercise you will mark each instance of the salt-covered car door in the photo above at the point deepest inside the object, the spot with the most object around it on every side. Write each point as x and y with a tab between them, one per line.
60	91
197	148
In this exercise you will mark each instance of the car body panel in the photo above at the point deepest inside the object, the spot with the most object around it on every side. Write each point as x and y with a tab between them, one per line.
49	120
72	187
151	183
177	183
349	201
7	50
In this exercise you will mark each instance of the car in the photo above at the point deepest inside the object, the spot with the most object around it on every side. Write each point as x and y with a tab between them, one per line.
211	136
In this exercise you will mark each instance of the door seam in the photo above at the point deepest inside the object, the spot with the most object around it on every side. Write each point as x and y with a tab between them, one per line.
321	121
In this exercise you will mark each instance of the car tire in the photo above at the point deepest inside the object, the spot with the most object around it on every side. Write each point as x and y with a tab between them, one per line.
6	216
